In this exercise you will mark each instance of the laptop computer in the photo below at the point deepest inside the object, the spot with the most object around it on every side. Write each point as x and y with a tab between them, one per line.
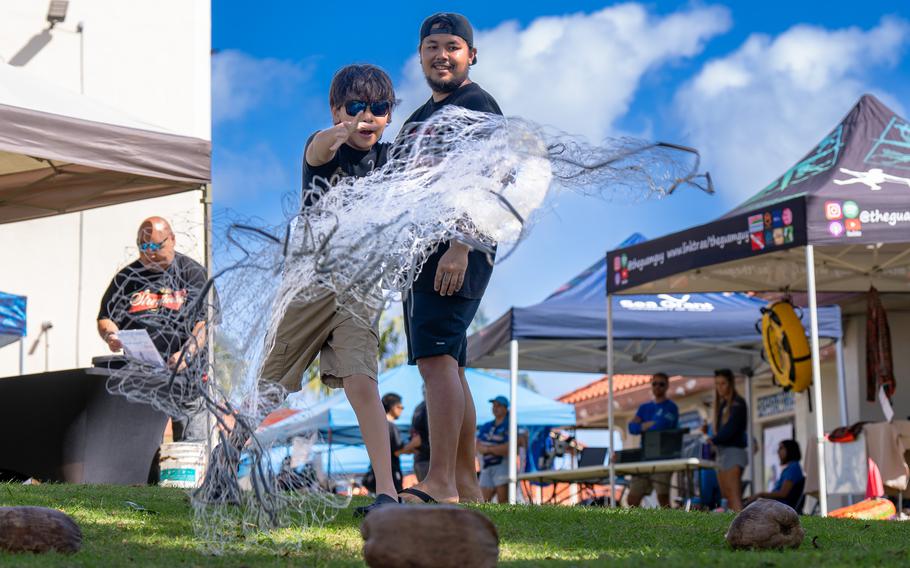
592	456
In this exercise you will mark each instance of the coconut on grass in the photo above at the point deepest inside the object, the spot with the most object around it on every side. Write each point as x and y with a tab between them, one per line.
765	523
38	529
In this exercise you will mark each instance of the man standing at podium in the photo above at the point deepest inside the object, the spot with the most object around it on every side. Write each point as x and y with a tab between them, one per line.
659	414
158	292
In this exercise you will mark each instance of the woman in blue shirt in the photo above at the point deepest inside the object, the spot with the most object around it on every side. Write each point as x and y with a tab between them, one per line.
789	484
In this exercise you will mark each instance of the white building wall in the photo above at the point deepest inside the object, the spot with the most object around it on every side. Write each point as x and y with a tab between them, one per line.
150	60
855	363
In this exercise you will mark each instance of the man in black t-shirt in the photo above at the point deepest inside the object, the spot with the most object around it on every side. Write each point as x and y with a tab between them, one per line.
448	290
160	293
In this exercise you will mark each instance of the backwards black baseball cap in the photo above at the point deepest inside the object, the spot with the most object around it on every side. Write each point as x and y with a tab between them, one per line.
449	23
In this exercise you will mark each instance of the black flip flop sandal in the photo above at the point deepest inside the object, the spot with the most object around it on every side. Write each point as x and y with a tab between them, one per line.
420	495
381	500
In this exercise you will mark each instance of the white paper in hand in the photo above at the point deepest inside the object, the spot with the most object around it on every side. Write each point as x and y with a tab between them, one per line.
138	346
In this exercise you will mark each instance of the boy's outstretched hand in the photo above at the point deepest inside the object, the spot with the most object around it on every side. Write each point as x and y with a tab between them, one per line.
343	130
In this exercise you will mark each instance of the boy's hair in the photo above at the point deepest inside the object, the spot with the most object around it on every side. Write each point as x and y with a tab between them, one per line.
390	400
367	83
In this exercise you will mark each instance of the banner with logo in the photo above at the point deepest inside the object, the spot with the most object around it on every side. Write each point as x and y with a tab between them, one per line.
868	199
767	229
856	180
853	187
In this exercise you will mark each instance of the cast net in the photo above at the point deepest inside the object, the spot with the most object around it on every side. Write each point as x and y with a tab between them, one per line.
473	177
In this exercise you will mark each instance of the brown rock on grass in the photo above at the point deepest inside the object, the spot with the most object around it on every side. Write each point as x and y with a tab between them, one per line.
38	529
437	536
766	523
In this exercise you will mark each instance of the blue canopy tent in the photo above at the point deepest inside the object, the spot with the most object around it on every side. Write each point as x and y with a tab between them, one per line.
536	410
688	334
12	323
337	423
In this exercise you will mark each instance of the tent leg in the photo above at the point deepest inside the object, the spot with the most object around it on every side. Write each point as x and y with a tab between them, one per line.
513	421
610	399
329	465
750	445
22	355
80	260
816	382
842	384
210	313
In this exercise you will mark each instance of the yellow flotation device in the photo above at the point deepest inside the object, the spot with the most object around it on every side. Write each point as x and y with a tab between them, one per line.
786	347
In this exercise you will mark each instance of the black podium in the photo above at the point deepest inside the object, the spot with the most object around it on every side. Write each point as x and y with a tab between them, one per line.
64	426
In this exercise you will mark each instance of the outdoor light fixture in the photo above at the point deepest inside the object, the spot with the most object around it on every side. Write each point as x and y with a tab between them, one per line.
56	13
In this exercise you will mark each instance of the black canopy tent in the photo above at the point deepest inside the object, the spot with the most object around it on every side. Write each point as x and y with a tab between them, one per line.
837	221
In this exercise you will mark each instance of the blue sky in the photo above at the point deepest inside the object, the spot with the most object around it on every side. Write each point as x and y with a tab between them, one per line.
753	85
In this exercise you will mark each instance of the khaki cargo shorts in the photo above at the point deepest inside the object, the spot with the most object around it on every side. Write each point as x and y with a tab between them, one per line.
346	345
644	484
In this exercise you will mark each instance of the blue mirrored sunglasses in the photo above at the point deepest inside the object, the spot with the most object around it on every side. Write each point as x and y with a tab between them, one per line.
152	247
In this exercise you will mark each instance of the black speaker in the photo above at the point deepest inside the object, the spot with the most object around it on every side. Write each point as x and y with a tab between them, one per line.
662	444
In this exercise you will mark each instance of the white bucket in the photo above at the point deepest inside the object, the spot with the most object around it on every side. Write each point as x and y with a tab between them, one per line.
182	464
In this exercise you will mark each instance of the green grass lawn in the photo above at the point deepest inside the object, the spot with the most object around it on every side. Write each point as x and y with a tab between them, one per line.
115	535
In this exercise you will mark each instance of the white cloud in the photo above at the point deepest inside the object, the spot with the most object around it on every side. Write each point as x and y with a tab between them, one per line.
757	111
241	82
578	72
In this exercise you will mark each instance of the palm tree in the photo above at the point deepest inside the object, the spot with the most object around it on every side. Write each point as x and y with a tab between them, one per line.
391	354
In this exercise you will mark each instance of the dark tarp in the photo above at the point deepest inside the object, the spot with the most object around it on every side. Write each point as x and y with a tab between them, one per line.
64	426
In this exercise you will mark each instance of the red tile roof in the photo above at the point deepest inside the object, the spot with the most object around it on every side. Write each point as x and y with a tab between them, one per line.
601	387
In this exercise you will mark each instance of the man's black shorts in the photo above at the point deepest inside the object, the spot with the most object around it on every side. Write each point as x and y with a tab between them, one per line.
438	325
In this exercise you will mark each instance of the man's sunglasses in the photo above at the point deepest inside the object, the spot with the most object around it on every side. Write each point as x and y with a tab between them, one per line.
381	108
658	384
152	247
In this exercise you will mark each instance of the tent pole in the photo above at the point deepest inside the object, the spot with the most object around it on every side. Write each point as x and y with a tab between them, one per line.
816	382
80	260
610	399
750	445
210	309
329	468
513	421
22	355
842	383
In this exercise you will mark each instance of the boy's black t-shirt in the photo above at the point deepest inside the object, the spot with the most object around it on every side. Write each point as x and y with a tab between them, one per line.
157	301
348	161
477	276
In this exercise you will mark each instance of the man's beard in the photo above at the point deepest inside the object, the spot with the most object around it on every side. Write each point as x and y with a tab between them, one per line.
446	86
